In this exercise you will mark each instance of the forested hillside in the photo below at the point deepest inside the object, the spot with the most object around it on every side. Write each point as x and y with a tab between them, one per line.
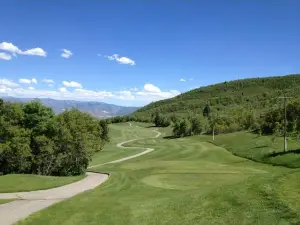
229	97
251	104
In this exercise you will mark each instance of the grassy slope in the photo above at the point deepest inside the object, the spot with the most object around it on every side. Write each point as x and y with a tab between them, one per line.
30	182
121	132
254	93
260	149
184	181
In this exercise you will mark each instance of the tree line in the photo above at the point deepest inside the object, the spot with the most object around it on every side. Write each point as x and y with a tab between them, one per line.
35	140
210	121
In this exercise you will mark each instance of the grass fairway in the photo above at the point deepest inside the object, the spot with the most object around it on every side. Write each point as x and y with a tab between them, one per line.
121	132
31	182
184	181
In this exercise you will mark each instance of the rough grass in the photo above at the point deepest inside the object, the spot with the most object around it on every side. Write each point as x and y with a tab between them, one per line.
263	149
31	182
184	181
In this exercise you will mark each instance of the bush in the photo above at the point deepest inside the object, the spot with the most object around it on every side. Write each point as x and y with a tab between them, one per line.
160	120
195	126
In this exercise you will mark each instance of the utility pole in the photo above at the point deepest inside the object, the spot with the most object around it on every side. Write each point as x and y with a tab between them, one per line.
285	123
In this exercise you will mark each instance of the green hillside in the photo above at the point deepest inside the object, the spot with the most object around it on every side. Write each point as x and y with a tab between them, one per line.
230	96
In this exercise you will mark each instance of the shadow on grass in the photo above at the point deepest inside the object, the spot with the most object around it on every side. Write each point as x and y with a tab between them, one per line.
242	161
152	126
274	154
262	146
170	137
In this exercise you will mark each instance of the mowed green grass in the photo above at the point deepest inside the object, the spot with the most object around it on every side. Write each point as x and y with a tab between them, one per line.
184	181
118	133
30	182
263	149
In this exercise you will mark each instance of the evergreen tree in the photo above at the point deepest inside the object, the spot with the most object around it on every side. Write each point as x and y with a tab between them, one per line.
206	111
104	131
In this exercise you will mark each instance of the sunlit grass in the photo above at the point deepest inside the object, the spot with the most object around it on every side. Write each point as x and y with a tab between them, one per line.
183	181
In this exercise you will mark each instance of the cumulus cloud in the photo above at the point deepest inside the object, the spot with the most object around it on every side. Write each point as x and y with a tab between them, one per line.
157	95
34	51
151	92
63	89
72	84
121	60
14	50
151	88
4	89
49	82
182	80
9	47
66	53
8	83
33	80
5	56
28	81
146	94
90	94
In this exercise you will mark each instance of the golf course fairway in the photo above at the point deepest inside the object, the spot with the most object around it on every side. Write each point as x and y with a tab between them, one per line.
182	181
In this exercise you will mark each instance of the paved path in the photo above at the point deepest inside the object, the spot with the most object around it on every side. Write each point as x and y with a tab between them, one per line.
33	201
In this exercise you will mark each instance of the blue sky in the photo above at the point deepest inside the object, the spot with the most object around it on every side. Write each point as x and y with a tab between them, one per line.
135	52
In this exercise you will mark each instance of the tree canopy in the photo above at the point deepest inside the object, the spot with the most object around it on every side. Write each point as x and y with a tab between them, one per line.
35	140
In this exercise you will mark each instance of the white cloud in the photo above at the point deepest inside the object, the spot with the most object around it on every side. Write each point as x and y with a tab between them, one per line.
121	60
134	89
151	88
191	79
24	81
125	60
126	95
9	47
66	53
63	89
34	51
28	81
148	94
49	82
5	56
8	83
33	80
182	80
90	94
72	84
4	89
157	95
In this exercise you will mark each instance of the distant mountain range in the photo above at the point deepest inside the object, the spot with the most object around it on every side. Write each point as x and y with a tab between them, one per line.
96	109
